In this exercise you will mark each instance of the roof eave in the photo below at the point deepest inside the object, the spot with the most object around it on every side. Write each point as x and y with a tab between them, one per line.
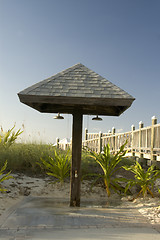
76	100
88	106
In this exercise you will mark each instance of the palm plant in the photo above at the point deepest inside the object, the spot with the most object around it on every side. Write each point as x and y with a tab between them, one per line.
4	176
6	140
108	163
59	166
9	137
143	178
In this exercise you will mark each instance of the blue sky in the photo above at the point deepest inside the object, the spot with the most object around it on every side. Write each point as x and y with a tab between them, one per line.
118	39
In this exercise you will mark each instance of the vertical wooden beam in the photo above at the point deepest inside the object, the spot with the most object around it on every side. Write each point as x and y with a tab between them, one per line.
86	134
113	139
86	137
76	159
132	142
141	125
100	142
154	121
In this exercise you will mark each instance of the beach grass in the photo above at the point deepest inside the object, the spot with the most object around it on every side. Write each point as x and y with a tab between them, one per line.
23	158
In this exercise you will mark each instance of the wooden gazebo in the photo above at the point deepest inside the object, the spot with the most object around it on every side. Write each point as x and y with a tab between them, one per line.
78	91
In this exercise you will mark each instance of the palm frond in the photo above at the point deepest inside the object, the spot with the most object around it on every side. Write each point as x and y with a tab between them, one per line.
108	164
58	166
145	179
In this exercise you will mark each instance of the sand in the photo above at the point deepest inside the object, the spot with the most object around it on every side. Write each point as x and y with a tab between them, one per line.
22	186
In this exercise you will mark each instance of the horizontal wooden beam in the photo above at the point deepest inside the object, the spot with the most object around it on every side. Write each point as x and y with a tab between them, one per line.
64	100
68	108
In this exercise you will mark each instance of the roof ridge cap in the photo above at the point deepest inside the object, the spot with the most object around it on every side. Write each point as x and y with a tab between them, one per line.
65	71
93	72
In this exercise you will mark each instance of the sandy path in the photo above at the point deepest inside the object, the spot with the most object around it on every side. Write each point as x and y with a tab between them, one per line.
22	186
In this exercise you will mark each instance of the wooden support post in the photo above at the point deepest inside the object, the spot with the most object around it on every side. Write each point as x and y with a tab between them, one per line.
141	125
76	159
132	147
154	121
100	142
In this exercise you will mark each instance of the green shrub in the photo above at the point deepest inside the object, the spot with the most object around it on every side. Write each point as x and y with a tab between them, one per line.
4	176
88	164
58	166
6	140
9	137
108	164
143	178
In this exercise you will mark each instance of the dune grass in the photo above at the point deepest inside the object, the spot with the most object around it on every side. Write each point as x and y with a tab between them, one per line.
23	157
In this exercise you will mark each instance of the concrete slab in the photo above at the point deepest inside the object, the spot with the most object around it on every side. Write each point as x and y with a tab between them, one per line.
85	234
98	234
46	218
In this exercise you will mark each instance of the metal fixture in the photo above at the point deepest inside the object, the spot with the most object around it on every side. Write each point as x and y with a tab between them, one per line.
97	118
58	116
76	174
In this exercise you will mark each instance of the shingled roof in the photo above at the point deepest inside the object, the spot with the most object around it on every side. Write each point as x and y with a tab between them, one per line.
75	87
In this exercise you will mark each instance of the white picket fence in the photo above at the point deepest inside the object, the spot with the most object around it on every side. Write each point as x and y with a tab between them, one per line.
143	142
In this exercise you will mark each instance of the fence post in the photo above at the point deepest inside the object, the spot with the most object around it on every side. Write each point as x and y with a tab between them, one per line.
113	139
141	125
57	142
100	142
86	134
70	144
86	137
154	121
132	149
